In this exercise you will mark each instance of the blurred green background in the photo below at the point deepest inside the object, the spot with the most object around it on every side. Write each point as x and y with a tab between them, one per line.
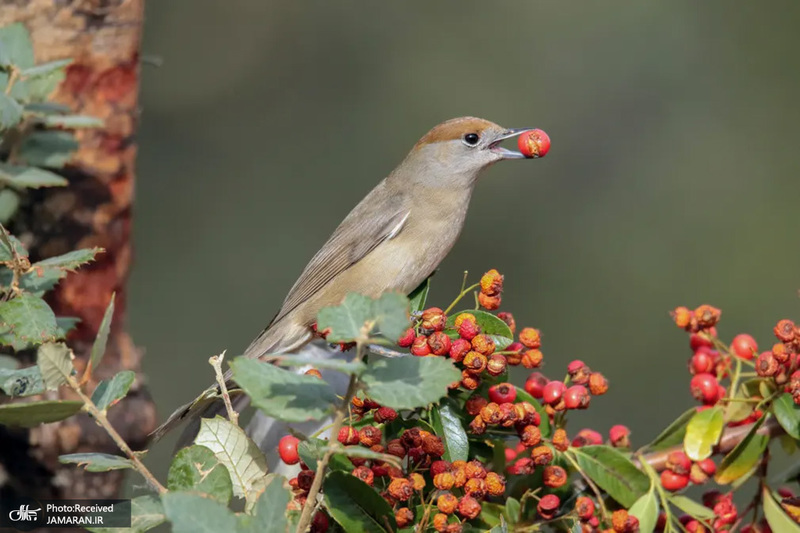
672	178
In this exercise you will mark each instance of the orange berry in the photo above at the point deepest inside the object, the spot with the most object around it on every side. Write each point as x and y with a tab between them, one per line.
433	319
447	503
495	484
464	316
489	302
404	517
532	358
530	338
401	489
492	283
554	476
682	317
469	507
508	318
483	344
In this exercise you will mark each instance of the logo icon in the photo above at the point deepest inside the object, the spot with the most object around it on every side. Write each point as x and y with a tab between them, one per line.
24	514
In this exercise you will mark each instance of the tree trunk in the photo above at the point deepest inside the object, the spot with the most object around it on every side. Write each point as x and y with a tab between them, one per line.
103	39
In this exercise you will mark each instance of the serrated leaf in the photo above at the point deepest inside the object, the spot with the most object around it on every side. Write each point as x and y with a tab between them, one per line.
702	433
447	423
777	518
34	413
193	513
55	362
147	512
544	423
36	281
45	68
409	382
100	342
356	506
9	204
788	414
71	260
72	121
269	514
674	433
612	472
26	320
47	148
66	324
346	322
691	507
283	394
646	510
197	469
96	462
419	296
7	242
313	449
10	111
345	367
391	314
490	325
107	393
245	462
21	382
17	45
743	457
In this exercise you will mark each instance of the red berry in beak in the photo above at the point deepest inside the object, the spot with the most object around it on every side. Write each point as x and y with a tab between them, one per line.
534	143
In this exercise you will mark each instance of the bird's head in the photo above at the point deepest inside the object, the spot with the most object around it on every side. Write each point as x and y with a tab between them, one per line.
459	149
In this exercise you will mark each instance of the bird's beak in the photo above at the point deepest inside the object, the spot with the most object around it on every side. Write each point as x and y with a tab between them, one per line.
504	152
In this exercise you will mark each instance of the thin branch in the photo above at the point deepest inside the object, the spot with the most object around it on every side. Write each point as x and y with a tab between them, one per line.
216	362
383	351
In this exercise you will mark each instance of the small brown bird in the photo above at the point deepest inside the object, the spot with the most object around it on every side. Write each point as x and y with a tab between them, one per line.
391	241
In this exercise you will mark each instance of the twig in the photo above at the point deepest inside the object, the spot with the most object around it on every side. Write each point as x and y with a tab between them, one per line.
105	424
341	412
216	362
383	351
588	480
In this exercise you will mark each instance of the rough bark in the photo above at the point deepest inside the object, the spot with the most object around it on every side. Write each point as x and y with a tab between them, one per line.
103	39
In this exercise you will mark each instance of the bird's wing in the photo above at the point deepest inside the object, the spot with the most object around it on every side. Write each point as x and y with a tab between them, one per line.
370	223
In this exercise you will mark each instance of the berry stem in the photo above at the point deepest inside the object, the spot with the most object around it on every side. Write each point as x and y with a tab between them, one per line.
464	292
216	362
588	480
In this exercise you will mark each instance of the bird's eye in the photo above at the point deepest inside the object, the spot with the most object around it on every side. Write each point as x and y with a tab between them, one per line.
471	139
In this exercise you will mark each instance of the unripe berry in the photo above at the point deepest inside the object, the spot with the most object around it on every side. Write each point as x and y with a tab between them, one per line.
447	503
577	397
530	436
492	283
598	384
440	522
287	449
495	484
433	319
364	474
584	508
706	316
526	414
483	344
407	339
496	364
475	469
439	343
503	393
475	487
541	455
532	358
554	476
622	522
553	391
619	436
784	330
530	338
534	143
474	363
548	506
401	489
469	382
560	440
767	365
468	329
704	388
682	317
459	348
469	507
420	346
534	385
489	302
514	353
404	517
416	480
444	481
744	346
672	481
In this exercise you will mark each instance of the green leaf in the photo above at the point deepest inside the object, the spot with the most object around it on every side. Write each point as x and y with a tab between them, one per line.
777	518
66	324
29	177
646	510
389	314
356	506
25	320
345	367
37	280
107	393
365	453
71	260
32	414
146	513
9	203
490	325
197	469
512	510
419	296
17	45
612	472
96	462
312	450
245	462
47	108
7	242
691	507
447	423
45	68
788	414
21	382
283	394
409	382
100	342
55	362
270	509
72	121
10	111
47	148
703	432
744	456
544	423
674	433
193	513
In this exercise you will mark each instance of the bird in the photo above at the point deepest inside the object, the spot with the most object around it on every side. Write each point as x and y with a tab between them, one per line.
392	240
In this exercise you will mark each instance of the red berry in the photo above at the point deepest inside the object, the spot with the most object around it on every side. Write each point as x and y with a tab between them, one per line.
407	339
552	392
420	346
534	143
468	329
744	346
287	449
534	385
679	462
577	397
673	482
459	348
697	340
619	436
703	361
502	393
439	343
348	435
705	388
